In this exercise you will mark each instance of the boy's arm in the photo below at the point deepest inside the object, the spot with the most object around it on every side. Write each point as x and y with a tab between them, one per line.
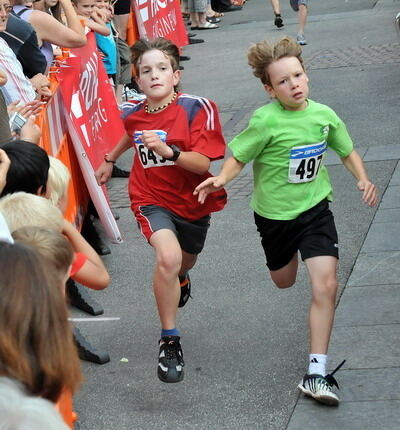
229	171
103	173
97	25
355	165
93	273
192	161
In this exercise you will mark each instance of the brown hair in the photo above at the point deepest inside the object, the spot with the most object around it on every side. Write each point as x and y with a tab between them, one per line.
262	54
142	46
50	244
36	344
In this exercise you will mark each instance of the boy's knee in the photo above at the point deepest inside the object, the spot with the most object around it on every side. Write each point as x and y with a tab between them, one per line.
169	261
284	283
326	290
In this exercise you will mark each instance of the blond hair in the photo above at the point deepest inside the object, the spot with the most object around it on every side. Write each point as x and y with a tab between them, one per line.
58	180
50	244
24	209
262	54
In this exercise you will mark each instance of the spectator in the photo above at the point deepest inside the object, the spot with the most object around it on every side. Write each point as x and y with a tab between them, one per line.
20	411
4	166
52	246
36	344
22	39
22	209
28	170
50	31
93	17
122	11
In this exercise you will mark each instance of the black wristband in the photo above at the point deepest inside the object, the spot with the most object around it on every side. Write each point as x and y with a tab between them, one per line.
108	161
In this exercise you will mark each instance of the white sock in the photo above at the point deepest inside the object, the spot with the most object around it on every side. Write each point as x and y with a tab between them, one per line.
317	364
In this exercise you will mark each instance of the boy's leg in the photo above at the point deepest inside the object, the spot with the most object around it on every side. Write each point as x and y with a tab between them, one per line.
165	280
188	262
322	271
286	276
316	383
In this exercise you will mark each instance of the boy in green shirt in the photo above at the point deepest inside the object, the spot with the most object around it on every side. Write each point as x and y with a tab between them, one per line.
287	140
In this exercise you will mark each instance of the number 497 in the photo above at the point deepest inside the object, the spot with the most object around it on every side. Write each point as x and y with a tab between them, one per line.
309	167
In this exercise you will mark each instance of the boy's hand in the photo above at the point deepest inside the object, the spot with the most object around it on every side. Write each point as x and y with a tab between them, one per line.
152	141
209	186
369	192
103	173
4	166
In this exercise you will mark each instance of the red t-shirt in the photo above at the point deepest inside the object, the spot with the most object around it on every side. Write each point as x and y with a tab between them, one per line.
79	260
192	124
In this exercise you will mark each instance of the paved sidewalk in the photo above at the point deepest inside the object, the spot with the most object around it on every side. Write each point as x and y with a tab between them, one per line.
367	333
245	341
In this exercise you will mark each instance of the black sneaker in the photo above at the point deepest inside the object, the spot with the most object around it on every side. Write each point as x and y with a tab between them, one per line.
278	21
186	288
320	387
117	172
170	360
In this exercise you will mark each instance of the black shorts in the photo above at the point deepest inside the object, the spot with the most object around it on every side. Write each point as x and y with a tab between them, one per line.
313	233
122	7
191	235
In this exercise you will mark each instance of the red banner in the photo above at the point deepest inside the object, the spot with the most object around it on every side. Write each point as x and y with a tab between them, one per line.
93	120
160	18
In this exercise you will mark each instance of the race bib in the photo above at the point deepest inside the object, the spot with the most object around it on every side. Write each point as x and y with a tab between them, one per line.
305	162
147	157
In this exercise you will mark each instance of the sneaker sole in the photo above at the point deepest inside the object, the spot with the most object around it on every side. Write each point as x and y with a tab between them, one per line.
326	400
169	380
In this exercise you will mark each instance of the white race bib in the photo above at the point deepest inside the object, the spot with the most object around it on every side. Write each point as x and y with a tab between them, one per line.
305	162
149	158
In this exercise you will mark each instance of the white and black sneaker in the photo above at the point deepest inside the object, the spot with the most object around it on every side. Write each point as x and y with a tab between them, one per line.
320	387
170	360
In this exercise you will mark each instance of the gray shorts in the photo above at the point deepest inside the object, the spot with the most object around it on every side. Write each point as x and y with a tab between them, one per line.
191	235
296	3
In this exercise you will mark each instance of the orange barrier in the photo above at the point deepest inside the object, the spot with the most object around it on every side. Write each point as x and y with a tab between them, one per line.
56	141
133	31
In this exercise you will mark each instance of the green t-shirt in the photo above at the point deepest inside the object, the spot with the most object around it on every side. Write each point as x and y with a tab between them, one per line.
287	148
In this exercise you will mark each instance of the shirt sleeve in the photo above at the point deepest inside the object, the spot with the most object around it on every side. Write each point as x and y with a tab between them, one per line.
206	132
79	260
249	143
339	139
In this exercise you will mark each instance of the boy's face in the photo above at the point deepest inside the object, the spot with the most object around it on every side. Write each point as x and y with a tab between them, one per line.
156	77
289	83
85	7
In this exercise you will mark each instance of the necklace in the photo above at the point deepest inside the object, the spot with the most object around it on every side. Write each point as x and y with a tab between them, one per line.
147	110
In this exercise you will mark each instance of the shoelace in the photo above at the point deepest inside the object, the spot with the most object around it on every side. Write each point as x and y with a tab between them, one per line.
329	377
172	350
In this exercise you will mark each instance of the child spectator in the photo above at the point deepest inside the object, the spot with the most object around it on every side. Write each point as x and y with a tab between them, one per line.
52	246
92	16
57	183
36	344
287	140
22	209
163	175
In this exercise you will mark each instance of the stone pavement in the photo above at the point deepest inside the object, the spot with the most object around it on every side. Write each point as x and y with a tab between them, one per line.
245	342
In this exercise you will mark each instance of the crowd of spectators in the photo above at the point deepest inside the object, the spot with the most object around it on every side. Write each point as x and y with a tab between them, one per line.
39	249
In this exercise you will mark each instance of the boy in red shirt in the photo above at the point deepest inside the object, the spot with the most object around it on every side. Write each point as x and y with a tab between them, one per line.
164	174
